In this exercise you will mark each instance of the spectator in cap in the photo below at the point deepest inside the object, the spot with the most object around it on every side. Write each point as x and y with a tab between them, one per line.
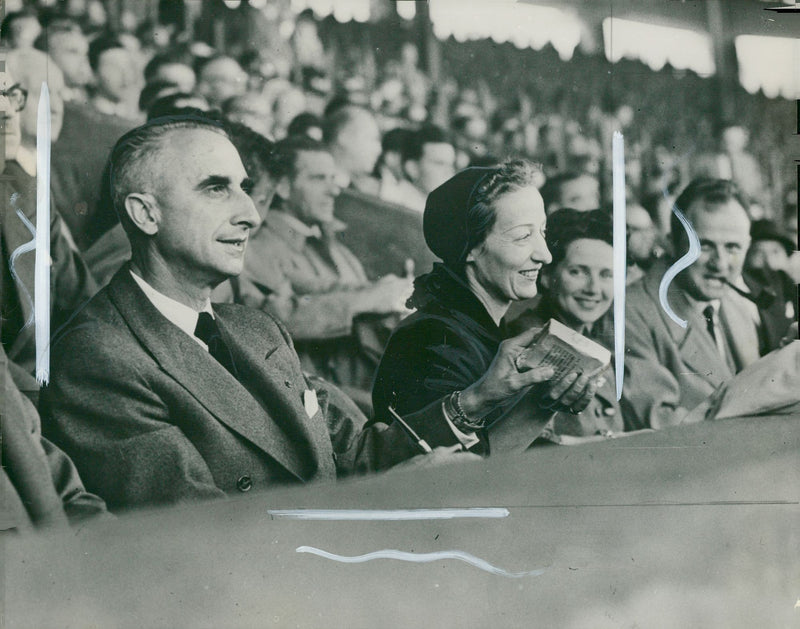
770	248
577	289
768	264
487	226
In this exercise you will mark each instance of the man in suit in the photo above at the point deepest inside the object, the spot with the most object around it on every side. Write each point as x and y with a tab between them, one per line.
157	395
670	369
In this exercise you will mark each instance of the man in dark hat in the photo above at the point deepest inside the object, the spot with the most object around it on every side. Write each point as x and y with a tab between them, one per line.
770	248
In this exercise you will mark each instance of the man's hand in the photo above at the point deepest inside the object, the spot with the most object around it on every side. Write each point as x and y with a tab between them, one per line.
389	294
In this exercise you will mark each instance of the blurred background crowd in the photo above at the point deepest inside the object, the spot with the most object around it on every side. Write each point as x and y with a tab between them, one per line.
348	114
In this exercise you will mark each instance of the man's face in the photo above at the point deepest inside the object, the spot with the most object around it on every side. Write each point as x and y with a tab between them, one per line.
220	79
359	144
641	233
724	233
29	115
582	194
313	189
69	50
9	120
437	165
253	111
116	75
204	212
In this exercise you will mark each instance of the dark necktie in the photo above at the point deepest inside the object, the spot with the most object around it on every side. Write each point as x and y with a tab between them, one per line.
708	313
208	332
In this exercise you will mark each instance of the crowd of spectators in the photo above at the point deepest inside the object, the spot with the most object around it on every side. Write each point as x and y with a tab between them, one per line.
317	135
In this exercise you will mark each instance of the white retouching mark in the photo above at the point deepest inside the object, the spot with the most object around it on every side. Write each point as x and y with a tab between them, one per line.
387	514
620	256
23	248
422	558
682	263
42	269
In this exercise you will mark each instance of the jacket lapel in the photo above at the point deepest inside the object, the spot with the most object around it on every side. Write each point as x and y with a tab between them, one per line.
199	373
279	385
696	347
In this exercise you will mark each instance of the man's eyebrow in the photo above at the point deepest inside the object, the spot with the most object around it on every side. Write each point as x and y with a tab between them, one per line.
213	180
248	184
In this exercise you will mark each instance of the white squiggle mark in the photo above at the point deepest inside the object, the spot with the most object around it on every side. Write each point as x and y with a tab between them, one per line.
42	270
683	263
423	558
387	514
23	248
620	256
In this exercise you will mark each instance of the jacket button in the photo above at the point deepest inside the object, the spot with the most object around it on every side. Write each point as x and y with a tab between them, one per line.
288	384
245	483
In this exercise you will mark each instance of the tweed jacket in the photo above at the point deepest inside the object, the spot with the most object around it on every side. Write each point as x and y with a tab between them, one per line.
39	485
150	417
669	369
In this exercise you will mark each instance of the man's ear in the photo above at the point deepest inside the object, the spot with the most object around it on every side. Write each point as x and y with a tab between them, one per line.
143	211
284	188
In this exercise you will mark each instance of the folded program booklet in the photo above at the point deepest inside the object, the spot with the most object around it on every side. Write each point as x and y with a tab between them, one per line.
565	350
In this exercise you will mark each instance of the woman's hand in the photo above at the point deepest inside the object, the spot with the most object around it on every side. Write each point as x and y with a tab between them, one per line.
502	379
571	392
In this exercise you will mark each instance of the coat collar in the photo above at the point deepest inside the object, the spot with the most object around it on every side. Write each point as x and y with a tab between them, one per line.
268	424
443	287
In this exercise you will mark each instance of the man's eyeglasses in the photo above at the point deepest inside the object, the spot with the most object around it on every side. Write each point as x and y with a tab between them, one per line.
16	95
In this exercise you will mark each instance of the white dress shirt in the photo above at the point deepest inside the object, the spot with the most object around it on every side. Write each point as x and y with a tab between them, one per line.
181	315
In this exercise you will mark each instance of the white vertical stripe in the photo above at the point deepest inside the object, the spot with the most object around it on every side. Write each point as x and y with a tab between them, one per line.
620	256
42	269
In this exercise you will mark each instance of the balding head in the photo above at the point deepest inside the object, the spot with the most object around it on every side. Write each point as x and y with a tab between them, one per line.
135	164
354	139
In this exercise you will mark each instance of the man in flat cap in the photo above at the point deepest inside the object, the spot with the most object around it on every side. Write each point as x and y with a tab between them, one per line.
157	395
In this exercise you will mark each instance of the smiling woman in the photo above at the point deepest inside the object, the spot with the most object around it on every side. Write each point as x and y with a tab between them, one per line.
578	290
487	225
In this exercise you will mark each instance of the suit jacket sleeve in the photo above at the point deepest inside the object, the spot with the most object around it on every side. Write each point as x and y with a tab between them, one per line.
118	430
43	477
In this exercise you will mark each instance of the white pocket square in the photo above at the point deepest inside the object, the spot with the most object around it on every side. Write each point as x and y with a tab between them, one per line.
310	402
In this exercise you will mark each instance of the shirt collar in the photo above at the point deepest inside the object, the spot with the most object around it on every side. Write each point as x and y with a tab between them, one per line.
180	314
700	305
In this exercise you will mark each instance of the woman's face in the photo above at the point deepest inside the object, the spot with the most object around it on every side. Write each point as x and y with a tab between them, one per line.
507	264
582	284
